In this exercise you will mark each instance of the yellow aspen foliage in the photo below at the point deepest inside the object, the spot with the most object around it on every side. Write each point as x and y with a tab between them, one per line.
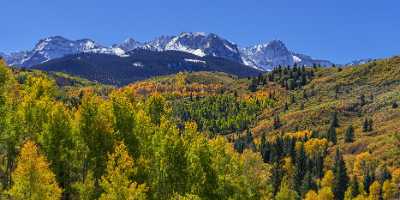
348	195
116	183
396	176
389	190
364	164
360	197
301	134
375	191
315	146
328	179
33	179
311	195
288	166
180	79
325	194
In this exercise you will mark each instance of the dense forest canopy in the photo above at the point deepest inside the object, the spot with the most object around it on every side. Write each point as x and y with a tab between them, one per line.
292	133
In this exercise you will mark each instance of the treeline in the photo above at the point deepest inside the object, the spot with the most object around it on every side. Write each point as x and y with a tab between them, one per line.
288	77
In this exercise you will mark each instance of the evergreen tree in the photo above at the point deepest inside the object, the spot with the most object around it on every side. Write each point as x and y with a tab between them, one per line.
33	180
286	107
334	120
368	180
291	84
355	187
300	169
307	183
395	105
365	125
253	85
349	135
331	134
277	122
362	100
341	178
370	124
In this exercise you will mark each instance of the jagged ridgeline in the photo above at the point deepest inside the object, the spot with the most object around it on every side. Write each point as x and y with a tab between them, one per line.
292	133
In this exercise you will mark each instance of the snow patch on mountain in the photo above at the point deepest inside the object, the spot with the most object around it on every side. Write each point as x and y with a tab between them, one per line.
195	60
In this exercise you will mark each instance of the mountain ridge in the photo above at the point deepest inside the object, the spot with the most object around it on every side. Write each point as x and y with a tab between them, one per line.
197	43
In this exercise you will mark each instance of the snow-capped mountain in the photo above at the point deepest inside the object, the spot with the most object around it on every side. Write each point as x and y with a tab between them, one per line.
261	56
129	45
202	44
275	53
56	47
158	44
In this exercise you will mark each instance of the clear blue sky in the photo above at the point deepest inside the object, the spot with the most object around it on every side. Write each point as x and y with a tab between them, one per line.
339	30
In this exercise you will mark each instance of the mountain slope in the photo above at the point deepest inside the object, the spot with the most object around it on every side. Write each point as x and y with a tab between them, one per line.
139	65
355	93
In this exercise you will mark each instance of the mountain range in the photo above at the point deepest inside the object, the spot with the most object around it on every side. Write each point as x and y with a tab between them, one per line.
261	56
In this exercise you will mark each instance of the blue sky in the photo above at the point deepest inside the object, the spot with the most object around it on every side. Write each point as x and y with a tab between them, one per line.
338	30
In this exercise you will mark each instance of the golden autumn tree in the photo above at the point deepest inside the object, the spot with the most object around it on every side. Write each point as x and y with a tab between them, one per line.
375	191
116	183
33	180
389	190
311	195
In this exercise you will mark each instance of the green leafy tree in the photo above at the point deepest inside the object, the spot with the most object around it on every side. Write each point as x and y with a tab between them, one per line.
116	182
57	143
124	126
285	193
96	129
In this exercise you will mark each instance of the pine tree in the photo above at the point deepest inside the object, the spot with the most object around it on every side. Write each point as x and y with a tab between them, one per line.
307	183
253	85
365	125
116	182
334	120
395	105
370	124
300	169
286	107
33	180
355	187
349	135
277	122
331	134
341	178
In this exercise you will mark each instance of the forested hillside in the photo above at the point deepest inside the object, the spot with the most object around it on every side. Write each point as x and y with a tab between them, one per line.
293	133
